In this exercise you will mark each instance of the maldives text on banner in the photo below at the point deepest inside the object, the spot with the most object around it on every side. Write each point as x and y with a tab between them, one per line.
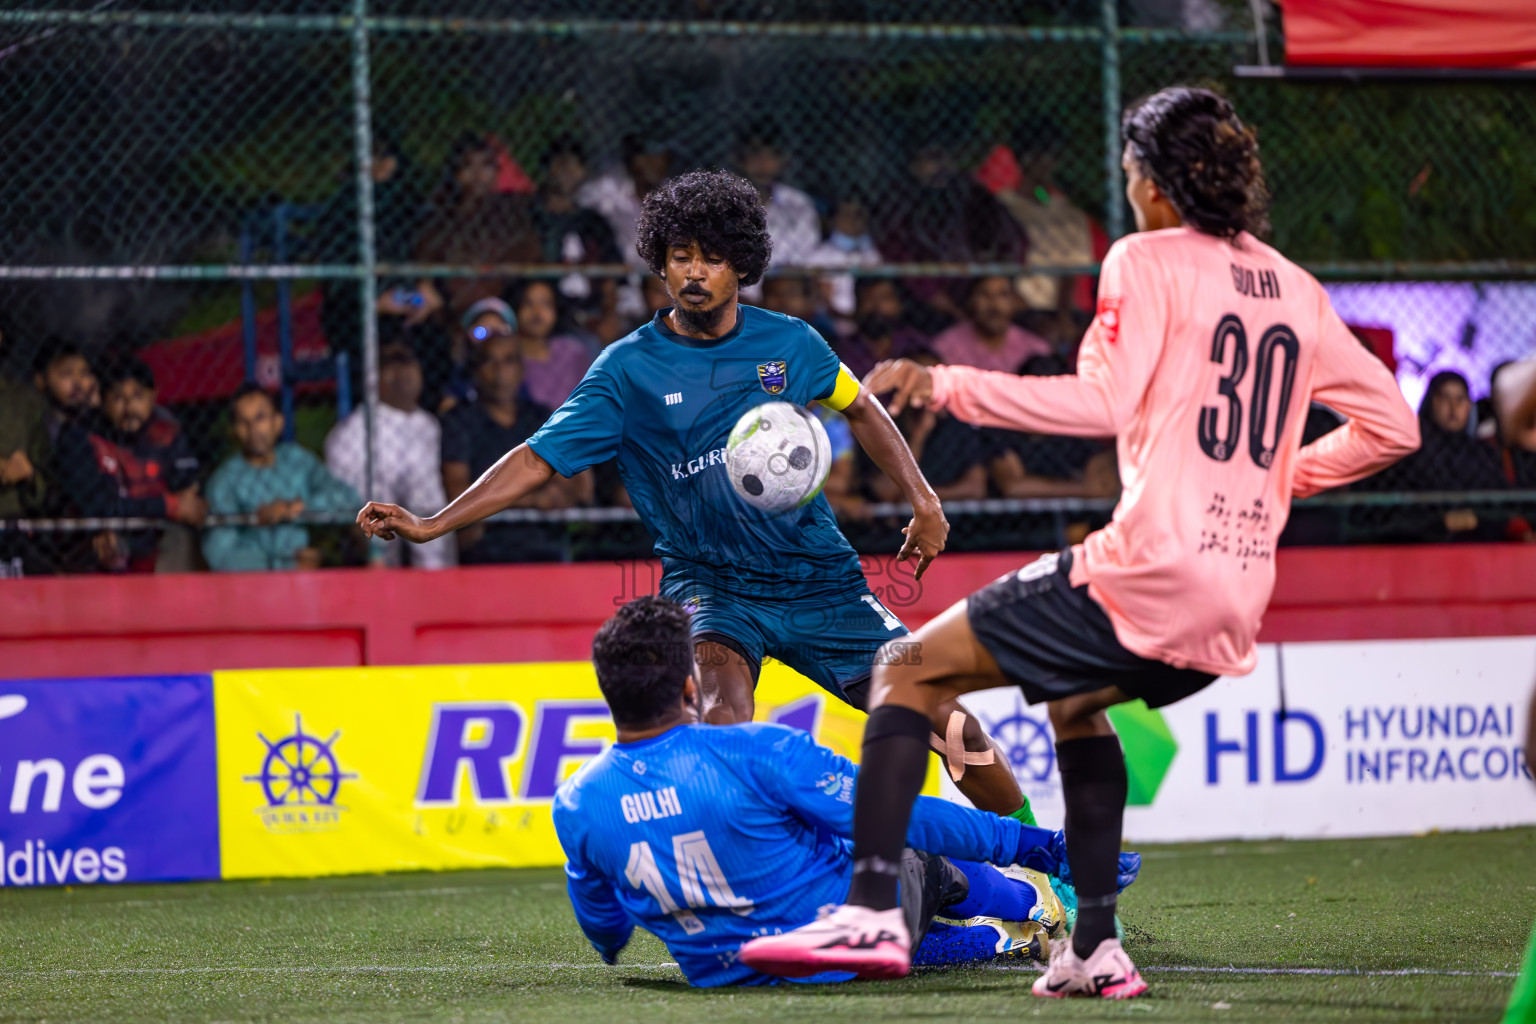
1374	738
109	780
335	771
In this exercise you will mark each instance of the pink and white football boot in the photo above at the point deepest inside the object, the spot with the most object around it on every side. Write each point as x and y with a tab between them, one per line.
870	943
1107	974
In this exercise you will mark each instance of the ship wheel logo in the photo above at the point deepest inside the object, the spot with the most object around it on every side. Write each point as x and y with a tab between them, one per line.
1027	744
300	770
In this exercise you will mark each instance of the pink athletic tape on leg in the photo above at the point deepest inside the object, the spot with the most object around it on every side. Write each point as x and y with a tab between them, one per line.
951	747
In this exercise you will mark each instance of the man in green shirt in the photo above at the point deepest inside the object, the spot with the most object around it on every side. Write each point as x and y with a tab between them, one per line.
278	481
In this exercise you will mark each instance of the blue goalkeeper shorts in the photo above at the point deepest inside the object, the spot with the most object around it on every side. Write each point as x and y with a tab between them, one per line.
830	638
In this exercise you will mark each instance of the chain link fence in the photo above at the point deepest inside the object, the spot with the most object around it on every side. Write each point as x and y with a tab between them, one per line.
201	200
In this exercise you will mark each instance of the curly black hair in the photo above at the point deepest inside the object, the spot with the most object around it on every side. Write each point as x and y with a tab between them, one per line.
643	655
717	209
1200	155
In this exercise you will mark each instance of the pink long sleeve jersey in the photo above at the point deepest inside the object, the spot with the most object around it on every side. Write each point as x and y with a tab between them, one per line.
1201	362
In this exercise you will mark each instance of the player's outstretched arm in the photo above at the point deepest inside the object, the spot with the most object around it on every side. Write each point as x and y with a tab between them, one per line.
929	530
1093	403
1112	375
514	475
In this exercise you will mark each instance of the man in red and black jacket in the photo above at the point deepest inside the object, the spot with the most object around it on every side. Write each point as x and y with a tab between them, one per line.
130	460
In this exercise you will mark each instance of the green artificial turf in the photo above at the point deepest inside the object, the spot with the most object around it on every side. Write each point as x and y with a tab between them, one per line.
502	946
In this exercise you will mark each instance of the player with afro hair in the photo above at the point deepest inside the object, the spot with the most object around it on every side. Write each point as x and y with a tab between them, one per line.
718	215
663	401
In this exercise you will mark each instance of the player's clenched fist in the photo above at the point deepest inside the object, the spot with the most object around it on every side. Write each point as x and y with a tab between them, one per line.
385	521
910	383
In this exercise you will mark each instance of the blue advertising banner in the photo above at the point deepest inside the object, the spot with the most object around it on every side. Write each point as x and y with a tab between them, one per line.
107	780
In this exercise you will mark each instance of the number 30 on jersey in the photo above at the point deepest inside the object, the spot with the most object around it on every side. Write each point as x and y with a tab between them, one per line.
1275	364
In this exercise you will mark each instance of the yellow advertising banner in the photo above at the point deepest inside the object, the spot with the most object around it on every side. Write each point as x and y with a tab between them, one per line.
341	771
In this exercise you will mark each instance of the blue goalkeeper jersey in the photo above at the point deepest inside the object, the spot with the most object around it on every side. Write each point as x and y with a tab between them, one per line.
664	404
709	835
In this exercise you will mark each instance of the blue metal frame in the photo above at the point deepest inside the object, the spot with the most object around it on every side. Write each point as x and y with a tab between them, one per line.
272	227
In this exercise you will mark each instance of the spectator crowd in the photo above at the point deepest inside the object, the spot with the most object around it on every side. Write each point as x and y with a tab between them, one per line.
471	366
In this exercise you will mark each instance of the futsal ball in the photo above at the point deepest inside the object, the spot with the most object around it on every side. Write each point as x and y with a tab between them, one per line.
778	456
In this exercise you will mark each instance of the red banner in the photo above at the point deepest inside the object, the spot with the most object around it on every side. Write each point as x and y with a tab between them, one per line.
210	365
1411	33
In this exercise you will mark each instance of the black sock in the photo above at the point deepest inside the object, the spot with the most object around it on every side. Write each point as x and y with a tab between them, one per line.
1093	784
891	772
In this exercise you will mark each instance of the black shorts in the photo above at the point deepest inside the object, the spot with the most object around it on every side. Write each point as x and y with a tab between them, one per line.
1052	640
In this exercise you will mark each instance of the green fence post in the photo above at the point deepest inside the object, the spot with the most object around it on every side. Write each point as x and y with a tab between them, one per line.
1114	203
367	252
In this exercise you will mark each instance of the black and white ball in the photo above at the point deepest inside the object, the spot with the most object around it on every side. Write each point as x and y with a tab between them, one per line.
778	456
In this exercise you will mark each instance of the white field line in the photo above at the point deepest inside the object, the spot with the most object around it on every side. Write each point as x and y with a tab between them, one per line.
1330	972
1326	972
1334	972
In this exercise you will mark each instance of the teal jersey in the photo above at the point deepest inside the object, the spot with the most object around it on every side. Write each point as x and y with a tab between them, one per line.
664	404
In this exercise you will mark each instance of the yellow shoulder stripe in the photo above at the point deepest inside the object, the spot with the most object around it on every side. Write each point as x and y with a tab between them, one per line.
844	391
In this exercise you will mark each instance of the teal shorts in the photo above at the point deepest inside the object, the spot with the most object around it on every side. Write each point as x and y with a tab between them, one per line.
831	639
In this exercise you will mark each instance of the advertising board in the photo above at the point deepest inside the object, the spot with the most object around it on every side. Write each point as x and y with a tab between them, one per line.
302	772
337	771
107	780
1380	737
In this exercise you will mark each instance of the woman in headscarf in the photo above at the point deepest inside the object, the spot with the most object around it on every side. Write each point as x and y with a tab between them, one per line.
1450	458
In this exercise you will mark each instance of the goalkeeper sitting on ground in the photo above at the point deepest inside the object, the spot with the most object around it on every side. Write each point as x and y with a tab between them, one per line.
708	836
